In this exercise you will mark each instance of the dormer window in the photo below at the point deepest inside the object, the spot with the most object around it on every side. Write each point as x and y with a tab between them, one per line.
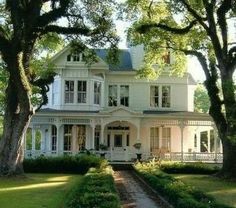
166	57
76	57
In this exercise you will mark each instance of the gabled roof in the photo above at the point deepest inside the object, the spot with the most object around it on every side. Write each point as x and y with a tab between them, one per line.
124	60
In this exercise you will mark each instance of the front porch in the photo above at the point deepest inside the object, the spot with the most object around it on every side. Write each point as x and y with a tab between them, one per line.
130	156
175	136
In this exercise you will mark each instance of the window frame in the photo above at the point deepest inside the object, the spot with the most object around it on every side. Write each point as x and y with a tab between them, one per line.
125	97
71	93
67	136
161	97
82	94
97	92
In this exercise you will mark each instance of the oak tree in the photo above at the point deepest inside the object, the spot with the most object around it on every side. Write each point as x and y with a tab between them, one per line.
197	28
22	24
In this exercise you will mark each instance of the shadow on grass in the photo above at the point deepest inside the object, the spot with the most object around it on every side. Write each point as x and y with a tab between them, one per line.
36	190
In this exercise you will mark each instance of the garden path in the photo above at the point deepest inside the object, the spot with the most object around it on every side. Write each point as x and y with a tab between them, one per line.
134	194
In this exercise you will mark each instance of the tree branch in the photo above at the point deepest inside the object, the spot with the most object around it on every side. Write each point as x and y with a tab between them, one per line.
146	27
65	30
201	58
53	15
195	15
221	13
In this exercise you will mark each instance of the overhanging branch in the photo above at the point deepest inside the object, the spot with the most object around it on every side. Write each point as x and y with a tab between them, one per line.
221	15
65	30
53	15
195	14
146	27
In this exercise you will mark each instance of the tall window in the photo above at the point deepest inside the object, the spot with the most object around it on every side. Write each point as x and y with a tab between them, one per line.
81	136
97	93
154	139
38	140
82	91
67	137
124	95
166	134
165	96
204	141
154	96
69	91
112	95
29	139
54	138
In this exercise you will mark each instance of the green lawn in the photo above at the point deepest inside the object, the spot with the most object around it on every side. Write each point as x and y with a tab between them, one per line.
36	190
223	191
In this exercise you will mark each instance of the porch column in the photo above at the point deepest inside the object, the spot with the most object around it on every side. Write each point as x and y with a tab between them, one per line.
93	133
138	133
215	142
182	126
102	134
33	140
59	140
74	140
208	142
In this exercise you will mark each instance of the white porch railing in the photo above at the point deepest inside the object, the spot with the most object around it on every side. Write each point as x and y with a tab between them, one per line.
187	156
131	156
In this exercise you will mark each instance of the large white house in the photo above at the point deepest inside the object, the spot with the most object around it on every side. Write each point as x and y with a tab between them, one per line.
107	104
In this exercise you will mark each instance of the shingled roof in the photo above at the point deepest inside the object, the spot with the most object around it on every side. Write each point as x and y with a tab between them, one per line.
124	62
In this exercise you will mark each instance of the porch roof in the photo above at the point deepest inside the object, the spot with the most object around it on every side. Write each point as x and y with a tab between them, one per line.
50	110
178	114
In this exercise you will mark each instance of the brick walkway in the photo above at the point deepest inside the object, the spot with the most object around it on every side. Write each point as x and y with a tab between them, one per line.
132	193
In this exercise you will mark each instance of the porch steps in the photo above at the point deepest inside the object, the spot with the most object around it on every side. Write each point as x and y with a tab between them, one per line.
121	165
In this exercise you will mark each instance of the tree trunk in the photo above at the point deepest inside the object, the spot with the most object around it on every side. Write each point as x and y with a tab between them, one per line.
229	157
17	116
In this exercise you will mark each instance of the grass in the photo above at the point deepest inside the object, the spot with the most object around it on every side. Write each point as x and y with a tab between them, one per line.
223	191
36	190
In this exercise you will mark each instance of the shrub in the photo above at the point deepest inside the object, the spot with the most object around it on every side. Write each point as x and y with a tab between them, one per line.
189	168
97	189
79	164
175	191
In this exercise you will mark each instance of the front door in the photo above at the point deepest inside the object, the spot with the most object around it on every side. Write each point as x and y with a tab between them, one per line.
118	147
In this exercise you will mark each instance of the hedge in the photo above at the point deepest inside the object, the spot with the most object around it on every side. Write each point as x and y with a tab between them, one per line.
175	191
188	168
96	190
78	164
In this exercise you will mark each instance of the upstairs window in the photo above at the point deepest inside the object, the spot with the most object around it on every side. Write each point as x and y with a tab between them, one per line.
82	91
165	97
118	95
112	95
97	93
76	57
69	91
124	95
154	96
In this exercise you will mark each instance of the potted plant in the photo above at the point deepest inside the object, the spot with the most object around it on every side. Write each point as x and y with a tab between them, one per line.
103	148
137	146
